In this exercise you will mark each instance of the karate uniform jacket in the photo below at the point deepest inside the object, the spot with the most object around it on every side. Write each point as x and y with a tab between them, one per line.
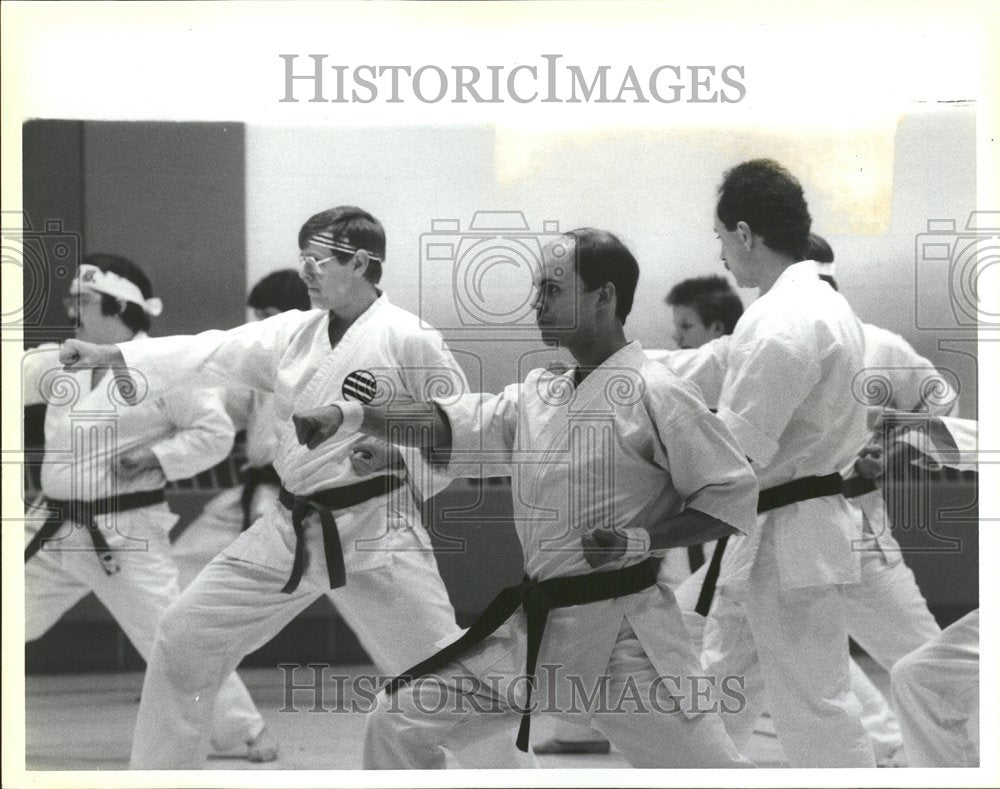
785	382
384	356
632	440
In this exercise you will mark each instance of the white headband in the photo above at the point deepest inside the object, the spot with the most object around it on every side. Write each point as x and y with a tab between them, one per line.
327	240
111	284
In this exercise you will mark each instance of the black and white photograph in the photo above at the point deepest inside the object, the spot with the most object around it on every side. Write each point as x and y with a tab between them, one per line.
521	393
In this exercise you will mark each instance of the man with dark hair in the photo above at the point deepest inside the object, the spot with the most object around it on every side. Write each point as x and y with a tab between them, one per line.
357	539
610	461
782	379
103	475
135	316
703	308
762	196
346	222
278	291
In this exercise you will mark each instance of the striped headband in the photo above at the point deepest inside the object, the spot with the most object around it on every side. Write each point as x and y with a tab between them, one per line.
114	285
339	245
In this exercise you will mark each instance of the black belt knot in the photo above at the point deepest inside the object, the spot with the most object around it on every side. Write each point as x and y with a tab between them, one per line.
801	489
85	513
323	503
536	598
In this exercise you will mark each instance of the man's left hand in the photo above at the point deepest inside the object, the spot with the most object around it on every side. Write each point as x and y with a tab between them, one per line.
603	545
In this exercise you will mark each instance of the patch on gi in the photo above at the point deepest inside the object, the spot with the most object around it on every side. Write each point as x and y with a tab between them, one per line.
359	385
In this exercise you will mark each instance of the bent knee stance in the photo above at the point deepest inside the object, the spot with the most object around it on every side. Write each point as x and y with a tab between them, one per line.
399	735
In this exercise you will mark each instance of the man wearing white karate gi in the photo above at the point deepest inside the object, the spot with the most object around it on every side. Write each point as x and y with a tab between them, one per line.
702	309
886	612
783	381
609	461
103	475
332	529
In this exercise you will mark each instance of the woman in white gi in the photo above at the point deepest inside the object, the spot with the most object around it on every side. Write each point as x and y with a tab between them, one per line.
588	452
357	539
103	474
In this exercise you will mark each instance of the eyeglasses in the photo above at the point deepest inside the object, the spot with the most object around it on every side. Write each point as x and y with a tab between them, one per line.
77	301
319	265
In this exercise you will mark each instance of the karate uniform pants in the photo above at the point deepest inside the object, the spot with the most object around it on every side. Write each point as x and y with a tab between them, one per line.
936	689
62	573
217	525
797	640
399	612
412	728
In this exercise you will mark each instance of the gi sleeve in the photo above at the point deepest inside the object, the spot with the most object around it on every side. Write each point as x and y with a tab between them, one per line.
430	372
707	467
483	433
704	366
204	434
768	378
35	363
916	383
950	442
246	356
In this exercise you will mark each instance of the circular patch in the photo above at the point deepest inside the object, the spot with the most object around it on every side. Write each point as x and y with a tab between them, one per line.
360	386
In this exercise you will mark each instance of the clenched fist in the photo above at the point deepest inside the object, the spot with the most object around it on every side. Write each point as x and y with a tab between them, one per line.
604	545
371	455
317	425
135	461
76	355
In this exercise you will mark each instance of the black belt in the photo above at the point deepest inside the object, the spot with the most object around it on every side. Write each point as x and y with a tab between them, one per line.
537	598
696	556
770	499
322	503
85	513
858	486
253	478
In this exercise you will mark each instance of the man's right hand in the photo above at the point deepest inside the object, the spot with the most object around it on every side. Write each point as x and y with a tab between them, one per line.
79	355
316	425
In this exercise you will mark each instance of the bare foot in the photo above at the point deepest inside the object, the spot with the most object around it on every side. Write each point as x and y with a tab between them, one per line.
262	748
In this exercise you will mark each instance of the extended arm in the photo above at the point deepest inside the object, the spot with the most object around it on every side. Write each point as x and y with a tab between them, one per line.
420	425
246	356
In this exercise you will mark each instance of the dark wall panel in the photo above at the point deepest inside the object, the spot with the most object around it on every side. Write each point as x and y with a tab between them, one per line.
170	196
53	223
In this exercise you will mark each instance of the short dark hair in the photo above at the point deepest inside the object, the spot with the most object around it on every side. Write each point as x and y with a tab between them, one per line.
359	227
133	315
602	257
769	199
283	290
713	298
819	249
